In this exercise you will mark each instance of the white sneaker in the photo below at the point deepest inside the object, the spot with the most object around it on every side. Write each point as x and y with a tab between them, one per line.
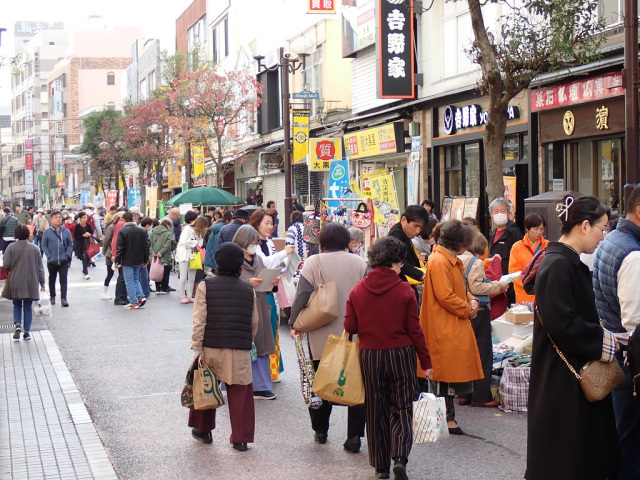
106	296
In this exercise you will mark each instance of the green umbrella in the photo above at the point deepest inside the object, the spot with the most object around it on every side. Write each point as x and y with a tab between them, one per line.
208	196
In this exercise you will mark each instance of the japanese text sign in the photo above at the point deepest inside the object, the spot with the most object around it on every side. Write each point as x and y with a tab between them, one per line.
396	59
322	6
300	134
375	141
594	88
322	151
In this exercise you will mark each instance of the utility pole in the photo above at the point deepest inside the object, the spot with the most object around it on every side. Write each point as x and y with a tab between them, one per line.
286	130
632	155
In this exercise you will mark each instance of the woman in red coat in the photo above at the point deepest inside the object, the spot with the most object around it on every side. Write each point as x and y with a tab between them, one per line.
383	311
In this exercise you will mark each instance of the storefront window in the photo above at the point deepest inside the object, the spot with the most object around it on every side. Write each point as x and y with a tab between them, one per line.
554	155
609	152
585	168
453	170
472	169
510	149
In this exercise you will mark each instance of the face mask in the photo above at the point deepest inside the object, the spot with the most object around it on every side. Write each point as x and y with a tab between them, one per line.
500	219
252	249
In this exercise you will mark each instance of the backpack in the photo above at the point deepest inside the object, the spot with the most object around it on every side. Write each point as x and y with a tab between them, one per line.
529	273
483	299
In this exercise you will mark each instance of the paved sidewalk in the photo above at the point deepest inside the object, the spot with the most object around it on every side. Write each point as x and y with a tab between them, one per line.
46	431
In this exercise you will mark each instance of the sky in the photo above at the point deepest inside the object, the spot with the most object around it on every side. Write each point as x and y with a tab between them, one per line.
156	18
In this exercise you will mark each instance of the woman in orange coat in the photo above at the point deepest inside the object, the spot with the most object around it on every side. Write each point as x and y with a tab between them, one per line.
447	308
524	250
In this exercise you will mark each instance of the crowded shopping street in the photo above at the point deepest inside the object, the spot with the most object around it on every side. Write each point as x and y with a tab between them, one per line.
319	239
128	369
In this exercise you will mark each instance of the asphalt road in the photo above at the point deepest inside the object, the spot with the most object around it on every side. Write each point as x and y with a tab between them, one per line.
130	365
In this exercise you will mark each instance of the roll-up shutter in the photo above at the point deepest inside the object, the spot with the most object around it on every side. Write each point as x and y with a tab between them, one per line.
273	189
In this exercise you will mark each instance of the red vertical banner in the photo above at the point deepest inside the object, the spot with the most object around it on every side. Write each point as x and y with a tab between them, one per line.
28	161
112	198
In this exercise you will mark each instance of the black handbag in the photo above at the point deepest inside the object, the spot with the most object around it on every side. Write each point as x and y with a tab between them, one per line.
633	357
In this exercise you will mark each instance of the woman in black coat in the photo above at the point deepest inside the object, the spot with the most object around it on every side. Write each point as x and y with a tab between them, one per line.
81	237
569	437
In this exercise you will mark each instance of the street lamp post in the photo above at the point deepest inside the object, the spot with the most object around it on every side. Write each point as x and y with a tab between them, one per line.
287	65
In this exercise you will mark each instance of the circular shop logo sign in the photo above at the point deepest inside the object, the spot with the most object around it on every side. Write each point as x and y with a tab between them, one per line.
301	137
325	150
447	119
569	122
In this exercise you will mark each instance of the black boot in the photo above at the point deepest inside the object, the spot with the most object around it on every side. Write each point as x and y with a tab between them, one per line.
400	468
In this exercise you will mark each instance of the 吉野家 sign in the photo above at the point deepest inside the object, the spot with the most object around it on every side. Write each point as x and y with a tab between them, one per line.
396	60
469	116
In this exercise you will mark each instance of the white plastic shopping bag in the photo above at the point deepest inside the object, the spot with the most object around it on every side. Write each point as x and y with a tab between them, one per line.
429	419
43	308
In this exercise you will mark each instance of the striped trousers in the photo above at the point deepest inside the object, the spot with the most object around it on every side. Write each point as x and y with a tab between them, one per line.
390	388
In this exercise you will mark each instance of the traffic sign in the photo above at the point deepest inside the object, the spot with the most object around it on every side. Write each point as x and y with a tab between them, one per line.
61	184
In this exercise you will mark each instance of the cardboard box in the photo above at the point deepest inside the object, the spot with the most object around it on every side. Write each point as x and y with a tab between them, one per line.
279	243
518	317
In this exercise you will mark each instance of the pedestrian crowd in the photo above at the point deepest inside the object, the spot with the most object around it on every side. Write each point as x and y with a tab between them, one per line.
420	306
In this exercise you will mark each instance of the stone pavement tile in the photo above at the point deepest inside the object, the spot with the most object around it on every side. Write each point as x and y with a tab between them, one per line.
50	433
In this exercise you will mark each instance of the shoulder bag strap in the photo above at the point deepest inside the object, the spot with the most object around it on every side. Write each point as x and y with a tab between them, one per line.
573	370
20	256
320	269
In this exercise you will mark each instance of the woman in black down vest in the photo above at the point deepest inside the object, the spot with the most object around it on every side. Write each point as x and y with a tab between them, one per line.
225	322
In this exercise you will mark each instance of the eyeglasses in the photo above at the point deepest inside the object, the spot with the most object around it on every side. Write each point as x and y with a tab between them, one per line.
604	230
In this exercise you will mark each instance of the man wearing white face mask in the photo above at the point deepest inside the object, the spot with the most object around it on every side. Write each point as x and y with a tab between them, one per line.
501	240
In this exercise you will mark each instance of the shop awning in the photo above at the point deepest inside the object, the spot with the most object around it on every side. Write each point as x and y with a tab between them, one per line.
550	77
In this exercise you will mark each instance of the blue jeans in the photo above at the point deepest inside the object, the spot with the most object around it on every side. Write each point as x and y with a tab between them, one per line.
627	411
144	281
132	281
18	307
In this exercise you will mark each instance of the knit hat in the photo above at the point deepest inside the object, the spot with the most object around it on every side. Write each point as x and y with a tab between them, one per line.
135	210
229	257
240	213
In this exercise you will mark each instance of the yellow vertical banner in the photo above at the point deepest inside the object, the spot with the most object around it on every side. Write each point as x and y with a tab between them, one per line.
197	154
385	201
151	201
300	134
174	176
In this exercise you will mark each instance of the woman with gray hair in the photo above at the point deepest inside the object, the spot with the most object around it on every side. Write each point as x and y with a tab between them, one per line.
356	239
248	239
503	237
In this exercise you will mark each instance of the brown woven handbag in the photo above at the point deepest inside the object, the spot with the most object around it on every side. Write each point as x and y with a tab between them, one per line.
597	379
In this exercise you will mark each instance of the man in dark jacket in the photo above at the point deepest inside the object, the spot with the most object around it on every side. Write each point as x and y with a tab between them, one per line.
616	274
132	254
240	217
57	245
503	237
8	225
413	220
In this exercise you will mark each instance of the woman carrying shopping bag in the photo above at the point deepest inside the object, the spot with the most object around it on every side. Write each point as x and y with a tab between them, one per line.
334	264
383	311
225	322
191	237
161	249
23	260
